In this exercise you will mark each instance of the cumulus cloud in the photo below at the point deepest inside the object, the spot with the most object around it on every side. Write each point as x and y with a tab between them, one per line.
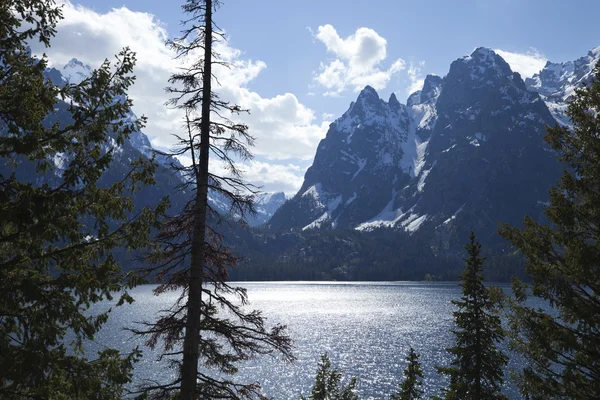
275	177
265	176
526	64
358	61
284	128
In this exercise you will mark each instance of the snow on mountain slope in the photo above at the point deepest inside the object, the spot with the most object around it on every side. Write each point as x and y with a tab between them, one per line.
467	147
367	147
556	82
265	205
75	72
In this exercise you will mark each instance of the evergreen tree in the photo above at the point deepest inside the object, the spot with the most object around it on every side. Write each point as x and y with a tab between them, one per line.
328	383
562	344
208	324
57	237
476	368
413	379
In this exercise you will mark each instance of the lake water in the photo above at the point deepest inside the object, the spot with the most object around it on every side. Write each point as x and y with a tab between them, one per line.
365	327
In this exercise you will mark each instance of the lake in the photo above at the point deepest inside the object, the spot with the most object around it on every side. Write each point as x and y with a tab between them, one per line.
365	327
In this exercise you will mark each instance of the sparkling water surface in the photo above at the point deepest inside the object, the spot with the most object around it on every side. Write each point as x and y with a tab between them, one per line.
366	328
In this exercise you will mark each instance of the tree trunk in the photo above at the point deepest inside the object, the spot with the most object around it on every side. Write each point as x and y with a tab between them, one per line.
189	369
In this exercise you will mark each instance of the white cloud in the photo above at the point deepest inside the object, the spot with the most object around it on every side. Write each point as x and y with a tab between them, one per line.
357	63
275	177
415	76
284	128
327	117
526	64
266	176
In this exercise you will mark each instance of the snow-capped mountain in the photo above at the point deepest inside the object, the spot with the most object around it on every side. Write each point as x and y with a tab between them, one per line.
363	148
75	72
467	149
265	205
557	82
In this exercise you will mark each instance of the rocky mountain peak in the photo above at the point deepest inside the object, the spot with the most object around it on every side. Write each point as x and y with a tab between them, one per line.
393	101
368	93
75	71
482	67
431	90
269	198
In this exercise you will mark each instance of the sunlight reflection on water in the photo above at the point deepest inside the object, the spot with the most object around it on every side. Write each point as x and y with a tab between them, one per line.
365	327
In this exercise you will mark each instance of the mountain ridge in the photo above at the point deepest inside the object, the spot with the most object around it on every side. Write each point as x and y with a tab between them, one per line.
468	148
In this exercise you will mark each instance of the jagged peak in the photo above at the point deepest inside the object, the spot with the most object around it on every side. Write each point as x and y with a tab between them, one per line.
414	98
264	198
483	65
483	52
74	62
393	101
431	86
487	57
368	92
75	71
430	91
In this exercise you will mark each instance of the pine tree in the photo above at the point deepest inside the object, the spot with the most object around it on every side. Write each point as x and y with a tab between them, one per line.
57	237
328	383
561	341
476	367
413	379
208	324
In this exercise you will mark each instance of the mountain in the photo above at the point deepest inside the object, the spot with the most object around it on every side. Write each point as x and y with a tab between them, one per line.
556	82
138	144
465	152
135	147
487	160
265	205
366	147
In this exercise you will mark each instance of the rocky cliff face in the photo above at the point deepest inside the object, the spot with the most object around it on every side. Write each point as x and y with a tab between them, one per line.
363	151
465	152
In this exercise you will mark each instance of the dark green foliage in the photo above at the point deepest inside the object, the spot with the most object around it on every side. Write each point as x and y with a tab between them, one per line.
476	369
382	254
328	383
413	379
562	345
57	238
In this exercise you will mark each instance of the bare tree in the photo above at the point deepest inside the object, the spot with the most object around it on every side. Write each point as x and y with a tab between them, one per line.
208	318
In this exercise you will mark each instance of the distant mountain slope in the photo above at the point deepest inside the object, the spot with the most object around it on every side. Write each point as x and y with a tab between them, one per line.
138	144
265	205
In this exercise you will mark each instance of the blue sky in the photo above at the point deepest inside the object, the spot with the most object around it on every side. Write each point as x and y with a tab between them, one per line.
306	60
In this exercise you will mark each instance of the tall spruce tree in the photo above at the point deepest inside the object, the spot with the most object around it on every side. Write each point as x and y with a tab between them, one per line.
562	344
410	389
475	371
208	325
57	237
